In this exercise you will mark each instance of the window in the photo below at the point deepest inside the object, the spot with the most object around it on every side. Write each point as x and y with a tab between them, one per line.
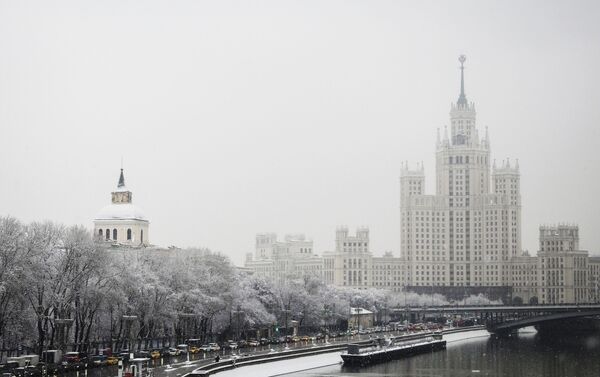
107	234
142	236
128	234
114	234
100	232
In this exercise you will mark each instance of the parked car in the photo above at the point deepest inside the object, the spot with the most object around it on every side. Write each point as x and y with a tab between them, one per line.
155	354
74	357
99	360
214	347
232	345
194	349
205	348
174	351
253	343
112	360
242	343
142	355
264	341
124	355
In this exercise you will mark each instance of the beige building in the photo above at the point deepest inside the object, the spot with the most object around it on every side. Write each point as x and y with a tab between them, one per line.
122	222
466	234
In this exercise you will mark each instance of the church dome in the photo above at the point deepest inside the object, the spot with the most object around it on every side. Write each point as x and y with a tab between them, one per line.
121	211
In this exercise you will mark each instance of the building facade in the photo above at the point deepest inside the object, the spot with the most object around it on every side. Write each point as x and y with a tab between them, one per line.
466	234
281	259
464	239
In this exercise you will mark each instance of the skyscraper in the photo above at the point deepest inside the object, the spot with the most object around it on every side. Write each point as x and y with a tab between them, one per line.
465	234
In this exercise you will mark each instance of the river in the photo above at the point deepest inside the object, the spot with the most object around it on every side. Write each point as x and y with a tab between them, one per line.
527	354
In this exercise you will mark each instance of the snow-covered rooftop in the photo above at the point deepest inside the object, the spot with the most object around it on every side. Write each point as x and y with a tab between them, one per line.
121	211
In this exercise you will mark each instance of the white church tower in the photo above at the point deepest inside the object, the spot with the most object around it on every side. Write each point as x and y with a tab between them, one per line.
121	222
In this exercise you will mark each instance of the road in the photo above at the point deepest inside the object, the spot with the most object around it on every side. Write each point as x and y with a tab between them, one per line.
178	366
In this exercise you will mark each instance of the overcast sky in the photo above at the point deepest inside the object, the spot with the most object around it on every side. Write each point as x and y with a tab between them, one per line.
235	118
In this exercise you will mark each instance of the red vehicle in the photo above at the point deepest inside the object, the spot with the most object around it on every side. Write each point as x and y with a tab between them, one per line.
74	357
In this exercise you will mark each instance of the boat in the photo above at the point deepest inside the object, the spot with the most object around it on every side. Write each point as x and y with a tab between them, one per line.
386	349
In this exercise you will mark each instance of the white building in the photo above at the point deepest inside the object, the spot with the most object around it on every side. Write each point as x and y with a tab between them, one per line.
465	234
122	222
563	267
464	239
279	259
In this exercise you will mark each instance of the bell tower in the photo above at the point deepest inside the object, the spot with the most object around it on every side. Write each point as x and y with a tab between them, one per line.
121	195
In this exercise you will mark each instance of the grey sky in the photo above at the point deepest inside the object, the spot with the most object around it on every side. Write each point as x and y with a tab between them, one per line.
289	116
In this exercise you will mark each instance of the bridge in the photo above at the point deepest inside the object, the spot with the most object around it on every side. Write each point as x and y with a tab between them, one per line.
502	319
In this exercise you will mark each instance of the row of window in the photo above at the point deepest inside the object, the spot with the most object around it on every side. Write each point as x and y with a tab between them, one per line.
115	234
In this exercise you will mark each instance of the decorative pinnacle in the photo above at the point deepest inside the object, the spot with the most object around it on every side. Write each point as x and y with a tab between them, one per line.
462	99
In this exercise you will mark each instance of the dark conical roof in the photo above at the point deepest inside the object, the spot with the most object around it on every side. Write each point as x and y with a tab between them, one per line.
121	180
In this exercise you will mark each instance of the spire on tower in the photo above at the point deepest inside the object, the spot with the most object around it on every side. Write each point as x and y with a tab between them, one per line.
121	180
462	99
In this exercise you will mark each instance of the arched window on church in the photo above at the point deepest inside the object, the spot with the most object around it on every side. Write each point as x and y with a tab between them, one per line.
107	234
100	232
128	234
114	234
142	236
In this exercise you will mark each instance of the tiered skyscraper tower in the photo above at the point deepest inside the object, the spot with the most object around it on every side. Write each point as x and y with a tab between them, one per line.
465	234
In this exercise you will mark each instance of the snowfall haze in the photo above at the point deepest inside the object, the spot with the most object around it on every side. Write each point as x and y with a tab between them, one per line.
234	118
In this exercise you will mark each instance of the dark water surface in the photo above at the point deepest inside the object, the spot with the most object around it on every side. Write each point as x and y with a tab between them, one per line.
530	355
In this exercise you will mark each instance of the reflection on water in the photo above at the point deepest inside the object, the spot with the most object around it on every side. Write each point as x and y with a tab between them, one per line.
527	355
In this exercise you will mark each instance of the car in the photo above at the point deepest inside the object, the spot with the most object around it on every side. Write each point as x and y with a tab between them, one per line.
295	338
112	360
232	345
214	347
142	355
155	354
253	343
305	338
172	351
194	349
263	341
74	357
124	355
242	343
204	348
99	360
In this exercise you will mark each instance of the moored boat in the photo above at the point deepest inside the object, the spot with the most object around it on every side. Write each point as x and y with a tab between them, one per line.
386	349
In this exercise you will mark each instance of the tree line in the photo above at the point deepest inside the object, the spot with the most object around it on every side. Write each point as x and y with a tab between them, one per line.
60	285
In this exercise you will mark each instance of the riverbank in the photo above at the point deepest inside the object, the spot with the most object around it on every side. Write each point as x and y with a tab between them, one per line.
272	368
